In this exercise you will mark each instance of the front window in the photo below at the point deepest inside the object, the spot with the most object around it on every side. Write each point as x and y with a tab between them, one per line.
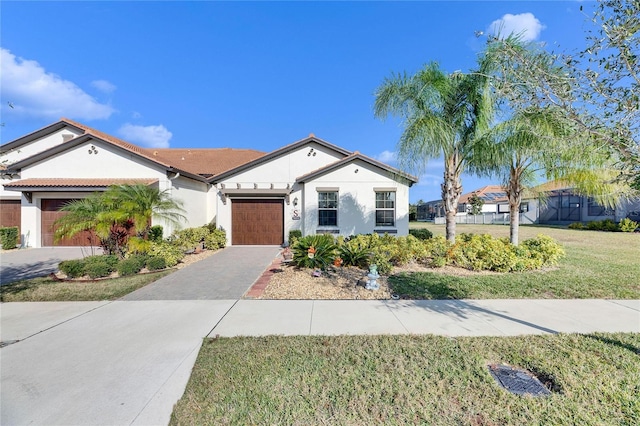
385	208
328	208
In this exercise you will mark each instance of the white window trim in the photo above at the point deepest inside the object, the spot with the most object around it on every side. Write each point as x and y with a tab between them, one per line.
393	209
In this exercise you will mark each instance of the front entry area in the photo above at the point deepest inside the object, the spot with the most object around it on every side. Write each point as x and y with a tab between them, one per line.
257	222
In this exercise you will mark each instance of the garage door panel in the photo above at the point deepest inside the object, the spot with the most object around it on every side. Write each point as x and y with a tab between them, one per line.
10	214
257	222
50	213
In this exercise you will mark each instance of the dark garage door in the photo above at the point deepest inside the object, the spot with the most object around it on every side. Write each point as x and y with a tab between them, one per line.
10	213
257	222
50	213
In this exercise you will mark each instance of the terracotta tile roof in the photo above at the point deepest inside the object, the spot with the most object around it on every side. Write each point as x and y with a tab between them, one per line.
489	193
199	161
205	161
64	182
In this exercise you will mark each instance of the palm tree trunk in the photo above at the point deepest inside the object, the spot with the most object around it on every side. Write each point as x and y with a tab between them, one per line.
514	194
451	191
514	222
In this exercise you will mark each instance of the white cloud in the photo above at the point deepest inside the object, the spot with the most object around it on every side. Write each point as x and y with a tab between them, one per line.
35	92
149	136
525	24
104	86
386	157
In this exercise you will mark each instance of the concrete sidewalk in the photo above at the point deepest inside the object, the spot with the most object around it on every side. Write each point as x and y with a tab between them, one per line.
442	317
128	363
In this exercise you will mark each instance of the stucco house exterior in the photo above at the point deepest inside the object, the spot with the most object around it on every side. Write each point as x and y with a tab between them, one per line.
257	197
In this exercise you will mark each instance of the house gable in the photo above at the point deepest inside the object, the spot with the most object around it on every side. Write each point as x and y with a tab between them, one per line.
284	165
38	142
317	151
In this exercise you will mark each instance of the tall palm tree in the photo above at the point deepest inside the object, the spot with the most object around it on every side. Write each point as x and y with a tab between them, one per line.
443	114
530	142
141	203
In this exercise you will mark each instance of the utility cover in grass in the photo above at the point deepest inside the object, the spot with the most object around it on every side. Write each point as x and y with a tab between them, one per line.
517	380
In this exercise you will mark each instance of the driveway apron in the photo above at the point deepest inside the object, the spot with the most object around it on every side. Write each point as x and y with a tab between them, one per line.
226	275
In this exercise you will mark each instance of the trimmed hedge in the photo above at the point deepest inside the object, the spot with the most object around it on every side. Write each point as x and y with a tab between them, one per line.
9	237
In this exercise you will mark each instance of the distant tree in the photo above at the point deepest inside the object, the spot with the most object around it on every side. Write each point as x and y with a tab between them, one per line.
442	115
476	204
535	136
597	89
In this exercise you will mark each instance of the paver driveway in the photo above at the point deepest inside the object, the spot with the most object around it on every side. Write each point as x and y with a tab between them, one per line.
226	275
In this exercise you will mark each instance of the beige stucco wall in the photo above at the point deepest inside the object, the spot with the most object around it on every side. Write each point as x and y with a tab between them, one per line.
356	191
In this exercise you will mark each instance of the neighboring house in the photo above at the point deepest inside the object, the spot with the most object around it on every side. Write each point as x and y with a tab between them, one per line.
310	185
559	205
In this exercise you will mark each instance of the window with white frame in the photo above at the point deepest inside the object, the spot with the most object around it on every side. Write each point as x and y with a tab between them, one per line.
385	208
328	208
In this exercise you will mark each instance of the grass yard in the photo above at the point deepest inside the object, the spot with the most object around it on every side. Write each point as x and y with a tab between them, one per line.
603	265
47	290
394	380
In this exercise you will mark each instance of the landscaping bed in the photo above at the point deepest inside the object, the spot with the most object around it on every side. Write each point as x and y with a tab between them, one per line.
597	265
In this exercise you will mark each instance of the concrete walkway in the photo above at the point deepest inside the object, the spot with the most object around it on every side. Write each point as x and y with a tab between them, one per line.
226	275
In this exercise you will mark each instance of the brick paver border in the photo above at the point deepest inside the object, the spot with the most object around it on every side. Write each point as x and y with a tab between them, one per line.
257	289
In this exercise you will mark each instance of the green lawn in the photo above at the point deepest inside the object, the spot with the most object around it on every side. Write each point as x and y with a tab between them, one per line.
598	265
47	290
396	380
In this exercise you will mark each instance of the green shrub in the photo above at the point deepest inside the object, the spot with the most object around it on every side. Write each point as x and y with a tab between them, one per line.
97	269
9	237
576	225
131	265
100	266
156	233
544	249
483	252
323	247
628	225
109	259
603	225
155	263
73	268
190	238
437	250
421	234
294	235
172	254
216	239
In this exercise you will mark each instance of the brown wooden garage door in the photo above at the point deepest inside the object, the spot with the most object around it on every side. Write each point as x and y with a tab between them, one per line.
257	222
10	213
50	213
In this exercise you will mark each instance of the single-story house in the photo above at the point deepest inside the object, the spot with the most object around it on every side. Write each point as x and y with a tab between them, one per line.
310	185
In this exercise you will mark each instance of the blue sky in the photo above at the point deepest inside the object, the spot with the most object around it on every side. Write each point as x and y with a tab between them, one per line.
254	75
